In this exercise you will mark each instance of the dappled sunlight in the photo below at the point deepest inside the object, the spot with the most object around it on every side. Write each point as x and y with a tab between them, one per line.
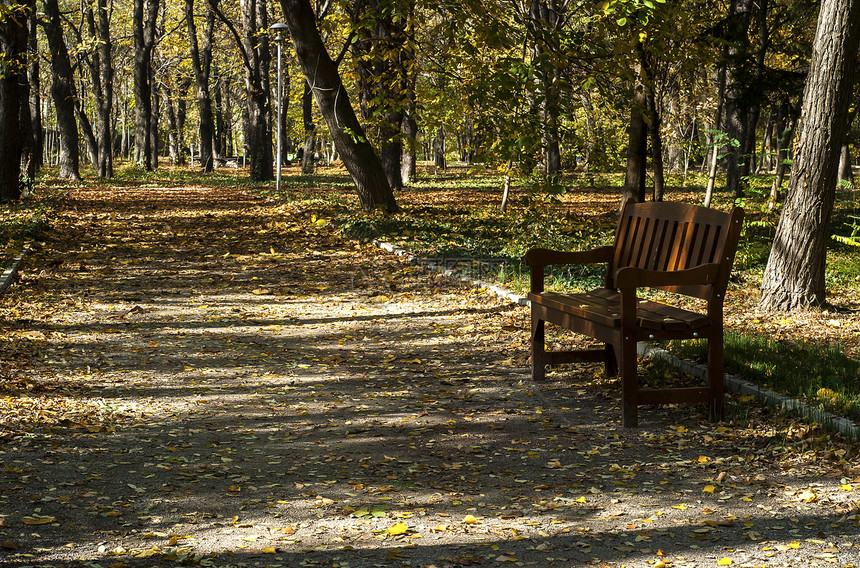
273	395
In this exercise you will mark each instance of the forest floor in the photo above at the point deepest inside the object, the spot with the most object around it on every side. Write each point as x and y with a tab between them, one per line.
198	376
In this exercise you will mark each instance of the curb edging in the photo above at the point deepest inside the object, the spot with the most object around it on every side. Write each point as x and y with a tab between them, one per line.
8	276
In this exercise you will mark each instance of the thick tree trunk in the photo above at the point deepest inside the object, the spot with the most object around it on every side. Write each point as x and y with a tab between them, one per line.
794	276
13	96
63	92
333	101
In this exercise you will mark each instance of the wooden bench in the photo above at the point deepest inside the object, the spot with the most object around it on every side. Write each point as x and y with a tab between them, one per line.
676	247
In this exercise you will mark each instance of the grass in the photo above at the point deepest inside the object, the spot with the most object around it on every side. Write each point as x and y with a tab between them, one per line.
820	375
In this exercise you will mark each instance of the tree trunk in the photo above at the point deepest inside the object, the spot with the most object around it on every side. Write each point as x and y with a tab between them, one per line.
634	180
145	13
63	92
794	276
13	96
736	95
101	71
173	150
380	48
784	132
309	130
201	61
439	150
356	152
846	174
409	161
86	130
33	71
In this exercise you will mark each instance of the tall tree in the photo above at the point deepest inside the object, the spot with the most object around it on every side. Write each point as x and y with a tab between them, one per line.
333	101
201	63
144	16
794	276
63	92
13	94
253	46
101	70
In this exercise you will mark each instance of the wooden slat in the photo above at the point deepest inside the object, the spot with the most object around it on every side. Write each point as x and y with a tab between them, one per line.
604	306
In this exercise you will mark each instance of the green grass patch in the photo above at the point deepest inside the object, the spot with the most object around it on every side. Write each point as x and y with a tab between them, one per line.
23	222
822	376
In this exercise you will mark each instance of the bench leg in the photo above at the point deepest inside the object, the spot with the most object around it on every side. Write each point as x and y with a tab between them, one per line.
629	385
538	350
611	362
715	376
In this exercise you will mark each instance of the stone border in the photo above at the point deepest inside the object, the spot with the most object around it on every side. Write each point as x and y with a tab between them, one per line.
10	273
733	384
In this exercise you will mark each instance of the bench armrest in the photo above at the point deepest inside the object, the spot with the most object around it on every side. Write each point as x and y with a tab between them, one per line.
545	257
632	277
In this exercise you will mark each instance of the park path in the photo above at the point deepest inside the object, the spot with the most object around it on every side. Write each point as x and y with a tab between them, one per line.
199	376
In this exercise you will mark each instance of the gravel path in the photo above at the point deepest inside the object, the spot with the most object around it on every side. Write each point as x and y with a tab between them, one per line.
196	376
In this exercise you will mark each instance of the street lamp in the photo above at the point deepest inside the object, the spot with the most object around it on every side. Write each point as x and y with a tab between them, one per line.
279	30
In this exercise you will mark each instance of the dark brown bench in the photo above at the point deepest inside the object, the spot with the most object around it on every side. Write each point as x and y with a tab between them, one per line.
676	247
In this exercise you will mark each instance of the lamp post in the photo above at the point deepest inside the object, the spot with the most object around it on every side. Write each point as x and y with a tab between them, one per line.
279	30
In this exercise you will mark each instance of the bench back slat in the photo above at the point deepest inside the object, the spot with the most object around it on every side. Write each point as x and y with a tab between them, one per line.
671	236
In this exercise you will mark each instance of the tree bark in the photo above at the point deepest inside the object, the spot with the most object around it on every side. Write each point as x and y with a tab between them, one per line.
13	95
201	61
35	94
737	103
634	180
63	92
145	13
101	71
333	101
794	276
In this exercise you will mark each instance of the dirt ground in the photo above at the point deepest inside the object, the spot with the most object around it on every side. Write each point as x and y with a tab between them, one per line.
196	376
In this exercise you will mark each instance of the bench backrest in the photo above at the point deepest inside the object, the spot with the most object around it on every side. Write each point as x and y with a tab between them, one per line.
668	236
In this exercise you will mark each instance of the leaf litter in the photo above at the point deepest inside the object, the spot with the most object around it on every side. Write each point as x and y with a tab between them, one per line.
201	377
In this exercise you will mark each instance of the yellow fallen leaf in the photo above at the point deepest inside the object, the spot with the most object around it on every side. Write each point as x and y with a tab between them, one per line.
398	528
704	459
708	489
581	500
39	520
269	550
470	520
724	562
808	496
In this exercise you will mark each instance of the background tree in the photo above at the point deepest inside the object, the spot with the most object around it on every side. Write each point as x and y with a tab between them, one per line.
62	92
320	71
794	276
201	63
